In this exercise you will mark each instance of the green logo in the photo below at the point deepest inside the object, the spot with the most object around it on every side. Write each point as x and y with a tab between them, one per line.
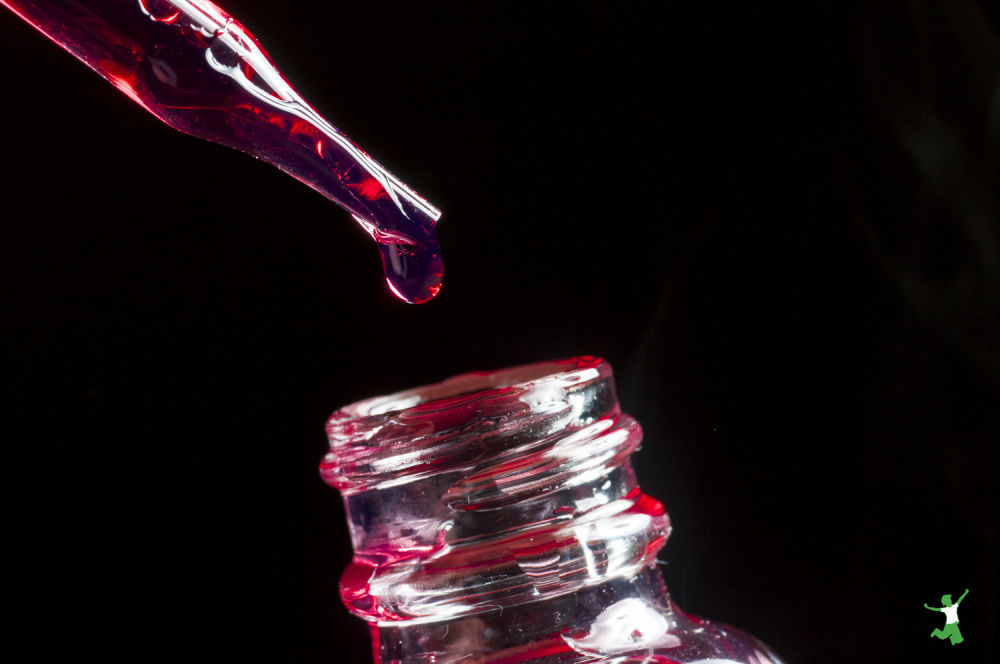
950	611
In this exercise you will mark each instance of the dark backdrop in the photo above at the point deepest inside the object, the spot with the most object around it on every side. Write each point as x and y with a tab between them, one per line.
779	225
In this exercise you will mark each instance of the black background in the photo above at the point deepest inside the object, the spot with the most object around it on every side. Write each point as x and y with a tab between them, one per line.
778	225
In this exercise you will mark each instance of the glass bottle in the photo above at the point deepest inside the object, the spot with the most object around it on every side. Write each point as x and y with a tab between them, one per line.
496	518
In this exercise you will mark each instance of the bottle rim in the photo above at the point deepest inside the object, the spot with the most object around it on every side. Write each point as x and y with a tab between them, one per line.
525	376
426	429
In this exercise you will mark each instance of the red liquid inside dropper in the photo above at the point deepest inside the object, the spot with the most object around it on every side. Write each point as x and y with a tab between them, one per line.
193	66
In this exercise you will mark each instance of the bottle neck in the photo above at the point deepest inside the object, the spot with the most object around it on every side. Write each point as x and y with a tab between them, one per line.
445	564
496	519
490	490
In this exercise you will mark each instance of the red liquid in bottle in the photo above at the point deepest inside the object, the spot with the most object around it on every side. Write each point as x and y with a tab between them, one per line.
194	67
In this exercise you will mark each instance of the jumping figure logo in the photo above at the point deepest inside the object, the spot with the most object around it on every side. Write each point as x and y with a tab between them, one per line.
950	611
